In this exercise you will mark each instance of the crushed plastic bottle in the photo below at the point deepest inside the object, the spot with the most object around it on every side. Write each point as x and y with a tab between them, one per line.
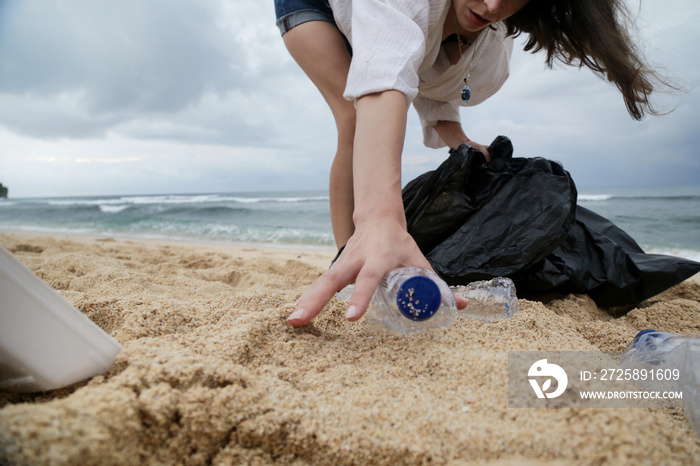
674	362
489	300
409	299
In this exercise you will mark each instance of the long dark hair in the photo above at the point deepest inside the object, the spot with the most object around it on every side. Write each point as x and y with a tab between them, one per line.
591	33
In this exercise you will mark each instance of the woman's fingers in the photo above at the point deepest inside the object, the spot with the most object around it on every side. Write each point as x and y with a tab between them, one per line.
462	302
484	150
365	285
375	249
312	301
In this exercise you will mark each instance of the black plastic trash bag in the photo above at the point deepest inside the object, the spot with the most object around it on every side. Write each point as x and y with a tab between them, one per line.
517	217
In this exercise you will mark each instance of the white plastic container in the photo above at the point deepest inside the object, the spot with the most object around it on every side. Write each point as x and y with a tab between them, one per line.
45	342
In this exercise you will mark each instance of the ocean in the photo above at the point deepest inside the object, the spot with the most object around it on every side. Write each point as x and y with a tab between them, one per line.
274	218
663	220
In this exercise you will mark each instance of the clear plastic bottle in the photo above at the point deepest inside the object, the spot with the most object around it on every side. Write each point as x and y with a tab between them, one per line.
662	353
489	300
409	299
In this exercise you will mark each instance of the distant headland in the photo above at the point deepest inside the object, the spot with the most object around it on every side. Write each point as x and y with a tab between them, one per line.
3	190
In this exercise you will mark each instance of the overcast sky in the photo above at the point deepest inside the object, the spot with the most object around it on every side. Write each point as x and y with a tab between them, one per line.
183	96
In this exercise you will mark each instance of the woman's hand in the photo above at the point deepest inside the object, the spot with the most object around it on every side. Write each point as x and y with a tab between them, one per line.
377	246
453	134
480	147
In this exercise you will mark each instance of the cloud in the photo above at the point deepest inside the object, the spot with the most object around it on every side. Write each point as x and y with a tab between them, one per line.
116	160
81	68
206	97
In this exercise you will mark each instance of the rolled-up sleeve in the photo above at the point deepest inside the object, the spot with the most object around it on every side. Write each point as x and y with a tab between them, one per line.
388	43
430	112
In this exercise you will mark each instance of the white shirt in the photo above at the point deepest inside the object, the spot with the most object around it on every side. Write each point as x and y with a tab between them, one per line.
397	45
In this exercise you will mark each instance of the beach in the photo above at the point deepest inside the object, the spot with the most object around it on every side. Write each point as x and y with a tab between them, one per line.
211	373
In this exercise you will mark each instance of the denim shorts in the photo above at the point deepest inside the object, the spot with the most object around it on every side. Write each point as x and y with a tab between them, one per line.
292	13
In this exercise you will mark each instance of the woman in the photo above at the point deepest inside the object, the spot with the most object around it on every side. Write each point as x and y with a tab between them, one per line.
372	59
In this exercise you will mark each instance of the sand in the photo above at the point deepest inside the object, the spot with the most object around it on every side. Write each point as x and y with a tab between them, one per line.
212	374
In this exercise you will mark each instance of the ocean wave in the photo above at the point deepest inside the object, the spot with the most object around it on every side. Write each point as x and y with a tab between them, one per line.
199	213
180	199
56	229
81	202
594	197
173	199
207	232
691	254
253	200
641	197
112	209
136	200
663	198
272	235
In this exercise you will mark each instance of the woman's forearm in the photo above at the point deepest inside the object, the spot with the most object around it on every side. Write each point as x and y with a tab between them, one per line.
379	137
451	132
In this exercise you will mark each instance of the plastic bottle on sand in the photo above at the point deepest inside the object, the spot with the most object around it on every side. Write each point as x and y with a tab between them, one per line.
668	361
489	300
409	299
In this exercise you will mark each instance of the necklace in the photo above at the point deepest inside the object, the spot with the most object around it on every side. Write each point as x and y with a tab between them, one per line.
466	93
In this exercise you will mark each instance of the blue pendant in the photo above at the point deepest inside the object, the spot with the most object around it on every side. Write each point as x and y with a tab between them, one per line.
466	94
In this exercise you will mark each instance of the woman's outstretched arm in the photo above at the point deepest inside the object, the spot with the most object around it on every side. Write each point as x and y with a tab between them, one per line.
380	242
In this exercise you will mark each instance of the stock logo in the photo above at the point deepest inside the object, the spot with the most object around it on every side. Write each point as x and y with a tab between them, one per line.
541	369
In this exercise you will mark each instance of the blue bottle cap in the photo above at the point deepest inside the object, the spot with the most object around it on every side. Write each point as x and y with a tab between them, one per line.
418	298
639	335
644	332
